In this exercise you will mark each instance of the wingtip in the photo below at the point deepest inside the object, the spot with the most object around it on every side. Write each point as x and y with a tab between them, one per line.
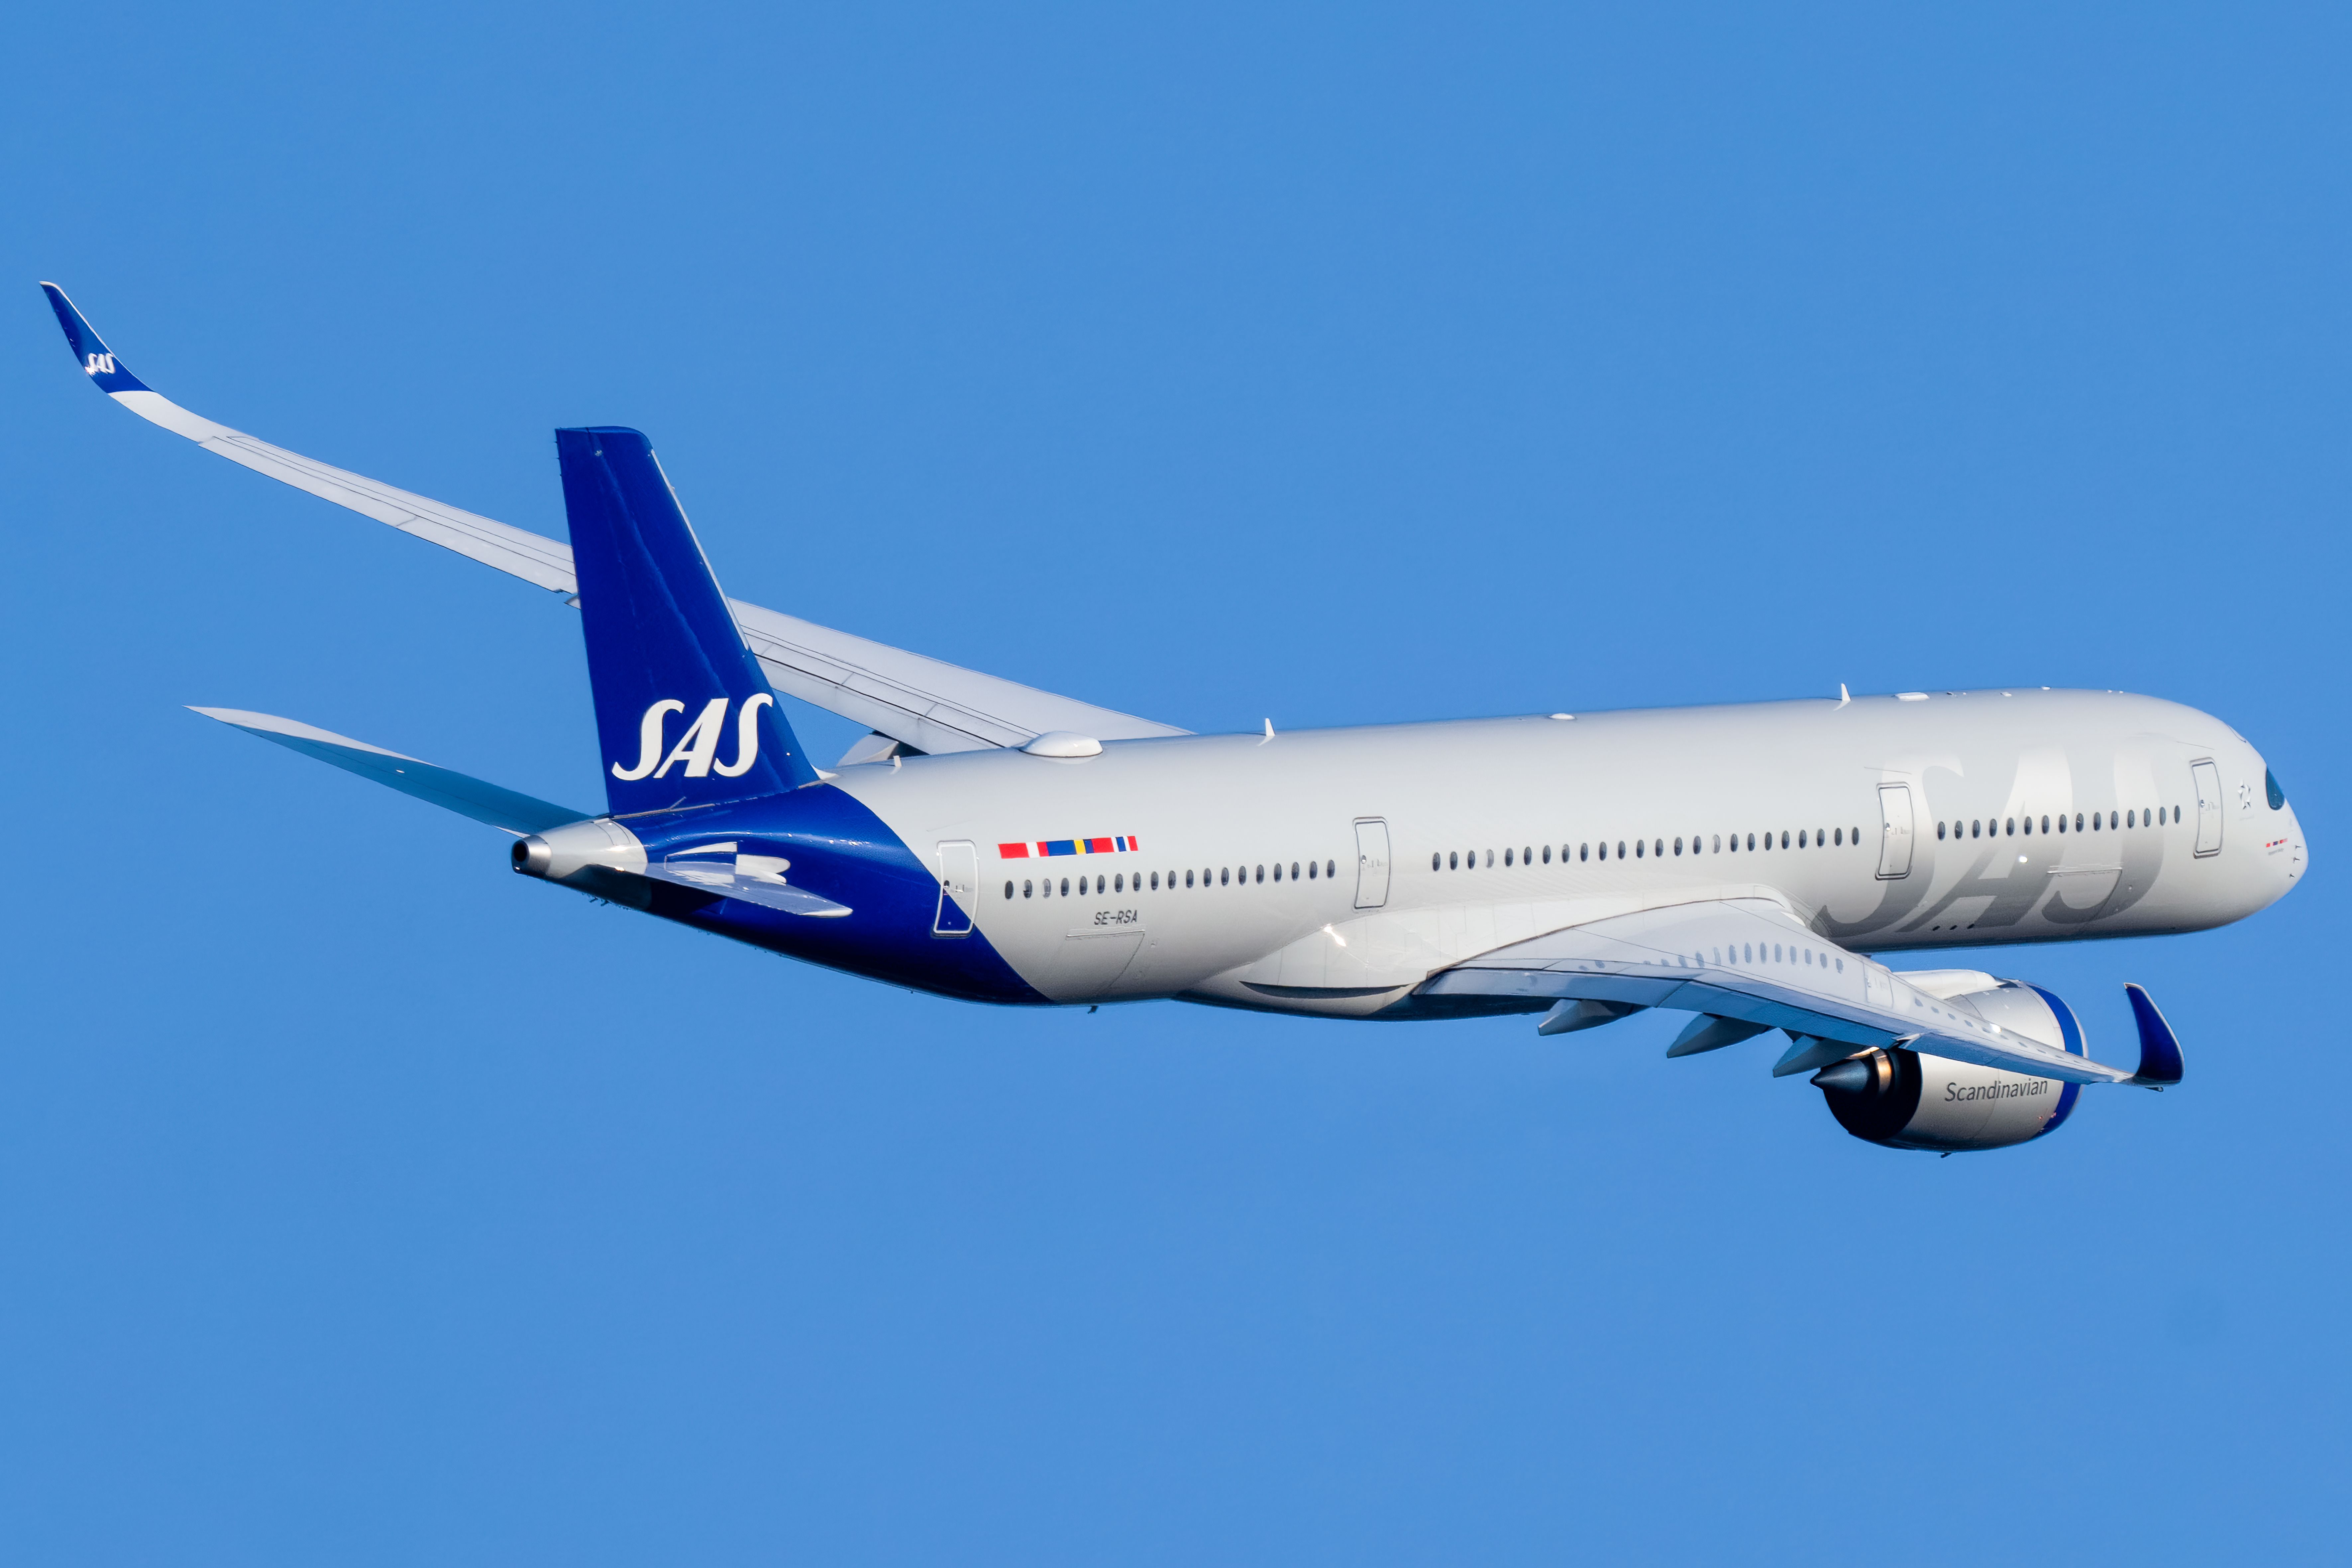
2160	1066
98	360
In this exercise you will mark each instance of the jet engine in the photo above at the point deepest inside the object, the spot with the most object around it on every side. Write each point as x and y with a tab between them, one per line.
1906	1099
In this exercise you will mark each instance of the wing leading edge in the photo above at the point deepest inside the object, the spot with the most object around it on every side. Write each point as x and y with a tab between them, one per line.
926	703
1752	962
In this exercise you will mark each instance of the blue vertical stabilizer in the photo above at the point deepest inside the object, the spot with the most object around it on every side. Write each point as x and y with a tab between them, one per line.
683	712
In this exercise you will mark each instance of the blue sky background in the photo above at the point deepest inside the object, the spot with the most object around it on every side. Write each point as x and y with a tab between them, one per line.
359	1202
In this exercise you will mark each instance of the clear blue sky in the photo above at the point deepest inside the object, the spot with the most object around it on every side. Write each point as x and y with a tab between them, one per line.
362	1204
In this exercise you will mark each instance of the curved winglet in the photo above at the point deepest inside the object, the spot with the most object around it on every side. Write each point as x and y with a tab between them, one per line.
97	360
2159	1048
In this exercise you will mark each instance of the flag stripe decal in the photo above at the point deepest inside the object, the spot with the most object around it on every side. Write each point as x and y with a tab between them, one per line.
1116	844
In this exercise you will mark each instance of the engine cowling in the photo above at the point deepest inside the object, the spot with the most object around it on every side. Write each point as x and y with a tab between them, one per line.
1906	1099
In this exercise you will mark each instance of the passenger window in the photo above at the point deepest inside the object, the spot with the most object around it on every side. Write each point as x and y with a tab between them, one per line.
1637	849
1099	884
1678	846
1188	877
1490	859
1621	849
1784	839
1528	856
1155	881
2028	828
1121	883
1261	873
1584	851
1277	871
2012	827
1801	838
1547	853
1008	889
2176	814
1939	830
1840	835
1507	856
2131	819
1452	860
1224	875
1066	887
1294	870
2045	825
1310	871
1028	889
1718	844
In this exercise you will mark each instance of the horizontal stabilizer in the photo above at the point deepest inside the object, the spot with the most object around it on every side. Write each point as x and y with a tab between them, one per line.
766	892
450	790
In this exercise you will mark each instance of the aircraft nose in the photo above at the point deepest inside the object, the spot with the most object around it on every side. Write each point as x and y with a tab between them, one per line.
2283	836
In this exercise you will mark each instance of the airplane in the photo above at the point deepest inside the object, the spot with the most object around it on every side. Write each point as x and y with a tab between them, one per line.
987	841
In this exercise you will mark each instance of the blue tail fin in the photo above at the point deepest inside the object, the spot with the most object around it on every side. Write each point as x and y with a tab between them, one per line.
683	712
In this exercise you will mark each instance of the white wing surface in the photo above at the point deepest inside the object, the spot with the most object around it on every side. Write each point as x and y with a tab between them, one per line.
926	703
1753	960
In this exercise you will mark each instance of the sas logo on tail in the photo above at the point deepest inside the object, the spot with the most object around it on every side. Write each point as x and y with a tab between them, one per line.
698	747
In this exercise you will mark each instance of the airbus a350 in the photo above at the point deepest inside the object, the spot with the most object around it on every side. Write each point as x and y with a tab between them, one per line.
1744	864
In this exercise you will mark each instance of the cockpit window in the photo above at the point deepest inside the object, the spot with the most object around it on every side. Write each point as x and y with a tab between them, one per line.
2271	787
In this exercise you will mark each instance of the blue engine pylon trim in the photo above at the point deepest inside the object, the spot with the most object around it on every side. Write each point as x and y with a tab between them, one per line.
2070	1031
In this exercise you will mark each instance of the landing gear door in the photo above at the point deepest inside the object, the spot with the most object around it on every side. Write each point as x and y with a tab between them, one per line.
1894	831
2208	779
959	866
1371	862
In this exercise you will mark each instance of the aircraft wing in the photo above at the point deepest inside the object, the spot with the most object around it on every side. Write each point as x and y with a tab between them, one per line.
926	703
1752	961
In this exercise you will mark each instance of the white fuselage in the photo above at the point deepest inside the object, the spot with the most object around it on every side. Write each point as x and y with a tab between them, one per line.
1950	820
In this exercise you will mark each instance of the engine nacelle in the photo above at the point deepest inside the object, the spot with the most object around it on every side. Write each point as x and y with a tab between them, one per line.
1904	1100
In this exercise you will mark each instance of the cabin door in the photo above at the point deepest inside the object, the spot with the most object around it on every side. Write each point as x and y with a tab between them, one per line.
1371	862
1894	831
2209	806
958	889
